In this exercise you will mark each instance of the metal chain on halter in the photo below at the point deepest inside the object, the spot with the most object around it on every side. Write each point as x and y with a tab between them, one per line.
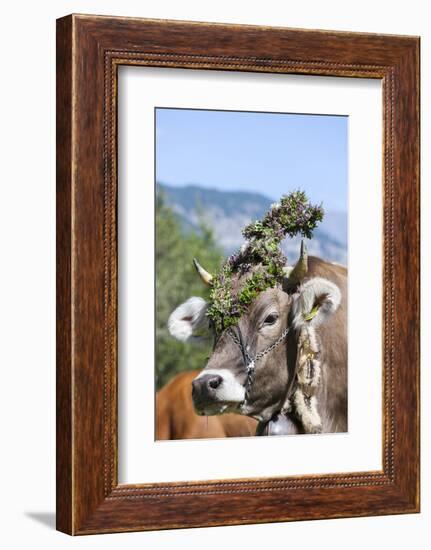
249	361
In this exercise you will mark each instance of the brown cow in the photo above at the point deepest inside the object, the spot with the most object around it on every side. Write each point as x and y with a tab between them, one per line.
176	418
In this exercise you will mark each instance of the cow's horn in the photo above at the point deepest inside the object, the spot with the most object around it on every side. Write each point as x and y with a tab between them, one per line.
301	267
203	274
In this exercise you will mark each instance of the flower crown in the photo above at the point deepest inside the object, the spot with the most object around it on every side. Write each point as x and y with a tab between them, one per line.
260	257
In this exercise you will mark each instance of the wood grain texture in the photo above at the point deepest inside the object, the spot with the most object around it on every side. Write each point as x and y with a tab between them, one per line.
90	49
64	496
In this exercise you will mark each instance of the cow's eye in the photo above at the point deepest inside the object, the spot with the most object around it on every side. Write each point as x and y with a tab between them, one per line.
271	319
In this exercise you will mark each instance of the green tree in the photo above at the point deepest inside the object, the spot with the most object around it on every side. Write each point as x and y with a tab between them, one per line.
176	281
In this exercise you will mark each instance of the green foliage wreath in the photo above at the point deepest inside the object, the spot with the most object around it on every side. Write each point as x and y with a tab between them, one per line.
260	257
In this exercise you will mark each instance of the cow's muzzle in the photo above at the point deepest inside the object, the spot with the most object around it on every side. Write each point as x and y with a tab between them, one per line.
216	391
204	391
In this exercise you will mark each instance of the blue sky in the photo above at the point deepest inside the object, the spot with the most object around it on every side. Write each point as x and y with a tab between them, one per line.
269	153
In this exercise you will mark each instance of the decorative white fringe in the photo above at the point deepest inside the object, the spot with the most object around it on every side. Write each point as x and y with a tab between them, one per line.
308	370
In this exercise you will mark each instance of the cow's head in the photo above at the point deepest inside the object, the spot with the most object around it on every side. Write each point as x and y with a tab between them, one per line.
221	386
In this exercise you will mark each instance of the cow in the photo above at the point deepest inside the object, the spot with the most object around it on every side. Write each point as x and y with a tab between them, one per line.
176	417
285	359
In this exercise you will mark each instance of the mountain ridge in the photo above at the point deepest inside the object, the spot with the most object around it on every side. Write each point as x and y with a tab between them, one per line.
227	212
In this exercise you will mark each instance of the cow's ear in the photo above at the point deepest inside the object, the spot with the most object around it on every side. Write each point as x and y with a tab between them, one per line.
316	300
189	323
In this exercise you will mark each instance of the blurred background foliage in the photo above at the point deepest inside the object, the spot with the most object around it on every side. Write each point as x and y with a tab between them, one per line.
176	281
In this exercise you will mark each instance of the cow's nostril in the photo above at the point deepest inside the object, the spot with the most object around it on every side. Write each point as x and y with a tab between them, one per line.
215	381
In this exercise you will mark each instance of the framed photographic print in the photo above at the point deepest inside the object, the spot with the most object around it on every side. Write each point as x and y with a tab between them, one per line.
237	274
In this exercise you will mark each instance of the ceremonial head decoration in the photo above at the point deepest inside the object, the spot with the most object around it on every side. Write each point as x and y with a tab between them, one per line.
260	263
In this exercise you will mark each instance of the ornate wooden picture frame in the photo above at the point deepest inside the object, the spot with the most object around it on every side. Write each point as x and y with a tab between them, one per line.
89	51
